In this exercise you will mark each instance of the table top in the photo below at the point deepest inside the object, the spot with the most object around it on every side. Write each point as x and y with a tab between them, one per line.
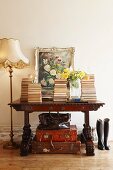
56	106
58	102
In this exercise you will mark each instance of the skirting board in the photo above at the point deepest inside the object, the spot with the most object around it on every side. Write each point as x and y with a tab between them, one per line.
17	131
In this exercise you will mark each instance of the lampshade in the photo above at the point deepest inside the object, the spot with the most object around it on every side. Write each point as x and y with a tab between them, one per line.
11	53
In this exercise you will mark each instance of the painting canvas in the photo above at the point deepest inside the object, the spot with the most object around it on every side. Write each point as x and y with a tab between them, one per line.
51	63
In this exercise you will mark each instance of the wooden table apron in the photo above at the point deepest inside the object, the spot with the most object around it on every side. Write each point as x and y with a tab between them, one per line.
50	106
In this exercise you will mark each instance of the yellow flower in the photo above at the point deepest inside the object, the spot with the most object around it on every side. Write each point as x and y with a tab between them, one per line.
66	70
73	76
86	77
65	73
81	74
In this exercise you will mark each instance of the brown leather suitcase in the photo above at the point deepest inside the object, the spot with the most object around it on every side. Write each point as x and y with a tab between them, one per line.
60	135
56	147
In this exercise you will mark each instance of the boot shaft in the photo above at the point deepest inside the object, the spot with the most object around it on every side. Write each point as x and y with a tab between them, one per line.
106	132
99	128
106	127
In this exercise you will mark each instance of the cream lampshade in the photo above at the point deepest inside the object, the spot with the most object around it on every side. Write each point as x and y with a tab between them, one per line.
11	53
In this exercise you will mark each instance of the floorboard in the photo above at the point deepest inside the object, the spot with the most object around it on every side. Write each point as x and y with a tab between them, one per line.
11	160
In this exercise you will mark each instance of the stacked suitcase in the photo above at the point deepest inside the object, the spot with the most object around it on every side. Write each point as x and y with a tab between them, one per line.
54	134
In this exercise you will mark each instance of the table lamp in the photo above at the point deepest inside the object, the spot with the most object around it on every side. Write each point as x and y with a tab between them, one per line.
11	57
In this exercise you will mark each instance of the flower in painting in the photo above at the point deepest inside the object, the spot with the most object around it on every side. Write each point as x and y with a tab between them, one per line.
45	61
53	66
58	60
47	68
43	82
53	72
51	81
58	76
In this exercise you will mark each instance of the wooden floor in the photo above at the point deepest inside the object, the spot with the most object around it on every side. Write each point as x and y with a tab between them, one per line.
11	160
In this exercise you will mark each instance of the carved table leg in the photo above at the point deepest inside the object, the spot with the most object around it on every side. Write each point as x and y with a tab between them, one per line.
25	147
87	136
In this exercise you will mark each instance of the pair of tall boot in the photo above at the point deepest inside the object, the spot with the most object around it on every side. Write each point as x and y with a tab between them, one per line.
99	127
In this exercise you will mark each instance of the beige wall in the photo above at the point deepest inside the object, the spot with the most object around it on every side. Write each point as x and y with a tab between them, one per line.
86	25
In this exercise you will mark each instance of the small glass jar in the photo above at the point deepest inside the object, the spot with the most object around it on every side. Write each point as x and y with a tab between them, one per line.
75	91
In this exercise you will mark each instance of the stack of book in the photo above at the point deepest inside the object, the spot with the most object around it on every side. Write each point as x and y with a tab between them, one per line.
24	89
34	92
88	91
60	90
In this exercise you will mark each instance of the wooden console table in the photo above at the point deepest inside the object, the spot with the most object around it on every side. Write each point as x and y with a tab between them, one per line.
50	106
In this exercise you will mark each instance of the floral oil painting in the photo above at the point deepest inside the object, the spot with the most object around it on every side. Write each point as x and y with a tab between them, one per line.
51	65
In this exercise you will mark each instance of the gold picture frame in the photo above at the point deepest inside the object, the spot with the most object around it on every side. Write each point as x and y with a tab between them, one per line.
48	62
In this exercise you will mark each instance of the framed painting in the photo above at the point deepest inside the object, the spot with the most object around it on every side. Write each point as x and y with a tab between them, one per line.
49	64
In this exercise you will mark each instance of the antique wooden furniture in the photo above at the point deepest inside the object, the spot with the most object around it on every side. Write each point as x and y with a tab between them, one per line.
50	106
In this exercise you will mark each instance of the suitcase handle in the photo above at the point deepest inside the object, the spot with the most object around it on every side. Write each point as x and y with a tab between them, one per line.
52	145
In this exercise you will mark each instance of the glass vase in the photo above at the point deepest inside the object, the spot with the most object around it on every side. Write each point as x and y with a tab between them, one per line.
75	91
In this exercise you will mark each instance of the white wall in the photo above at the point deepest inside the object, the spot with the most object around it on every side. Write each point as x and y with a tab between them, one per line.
86	25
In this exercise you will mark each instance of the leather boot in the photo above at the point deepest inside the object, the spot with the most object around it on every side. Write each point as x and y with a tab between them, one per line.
106	131
99	134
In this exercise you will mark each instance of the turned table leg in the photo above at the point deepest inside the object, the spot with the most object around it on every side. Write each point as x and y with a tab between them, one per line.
87	136
25	147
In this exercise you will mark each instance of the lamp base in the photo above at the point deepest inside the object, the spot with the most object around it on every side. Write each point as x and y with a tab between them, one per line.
11	145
